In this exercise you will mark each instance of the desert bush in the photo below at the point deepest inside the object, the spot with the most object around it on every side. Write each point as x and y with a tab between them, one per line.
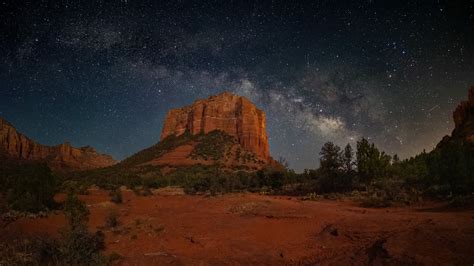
80	247
29	187
153	182
311	196
76	211
111	220
386	192
77	245
462	201
75	186
113	257
35	251
375	200
212	145
146	191
116	195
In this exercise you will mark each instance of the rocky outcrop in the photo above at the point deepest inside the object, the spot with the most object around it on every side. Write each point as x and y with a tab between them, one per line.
62	157
233	114
464	119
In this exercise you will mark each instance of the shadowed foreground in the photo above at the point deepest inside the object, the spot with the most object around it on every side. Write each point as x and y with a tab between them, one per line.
171	228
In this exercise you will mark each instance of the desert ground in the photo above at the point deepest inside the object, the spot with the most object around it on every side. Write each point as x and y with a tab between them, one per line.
172	228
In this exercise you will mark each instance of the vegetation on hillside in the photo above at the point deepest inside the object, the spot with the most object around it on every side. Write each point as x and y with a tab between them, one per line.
373	175
155	151
213	145
376	177
28	187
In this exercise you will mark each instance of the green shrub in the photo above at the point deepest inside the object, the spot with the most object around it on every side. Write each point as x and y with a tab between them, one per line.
76	211
77	245
35	251
75	186
146	191
112	219
311	196
376	200
113	257
30	187
212	145
462	201
116	196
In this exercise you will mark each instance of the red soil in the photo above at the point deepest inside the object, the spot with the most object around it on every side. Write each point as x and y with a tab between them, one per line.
254	229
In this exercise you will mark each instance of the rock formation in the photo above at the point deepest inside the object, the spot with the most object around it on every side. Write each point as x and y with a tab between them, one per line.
464	119
225	130
62	157
230	113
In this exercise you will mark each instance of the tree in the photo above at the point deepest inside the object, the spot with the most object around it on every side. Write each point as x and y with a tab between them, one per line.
395	159
31	187
330	168
283	162
330	159
371	163
452	165
347	159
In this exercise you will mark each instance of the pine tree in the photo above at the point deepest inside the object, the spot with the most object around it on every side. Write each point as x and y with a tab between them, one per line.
330	167
347	159
330	159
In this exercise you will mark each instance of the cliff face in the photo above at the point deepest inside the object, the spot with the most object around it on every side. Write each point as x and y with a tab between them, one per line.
62	157
464	119
235	115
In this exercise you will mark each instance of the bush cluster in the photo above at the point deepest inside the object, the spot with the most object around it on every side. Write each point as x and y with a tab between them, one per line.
28	187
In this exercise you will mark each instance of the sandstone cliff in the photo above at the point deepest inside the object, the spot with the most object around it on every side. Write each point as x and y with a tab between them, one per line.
232	114
464	119
225	130
62	157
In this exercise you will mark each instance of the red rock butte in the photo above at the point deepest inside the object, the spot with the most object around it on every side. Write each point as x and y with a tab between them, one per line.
233	114
62	157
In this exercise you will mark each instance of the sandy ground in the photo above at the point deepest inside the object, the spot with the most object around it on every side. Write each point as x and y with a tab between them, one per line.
267	230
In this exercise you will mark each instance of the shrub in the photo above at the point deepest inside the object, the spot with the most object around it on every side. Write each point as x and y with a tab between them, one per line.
30	187
212	145
76	211
375	201
146	191
112	219
385	192
36	251
311	196
116	196
77	245
74	186
113	257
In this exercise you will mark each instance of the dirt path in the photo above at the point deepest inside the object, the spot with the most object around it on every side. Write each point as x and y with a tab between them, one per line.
254	229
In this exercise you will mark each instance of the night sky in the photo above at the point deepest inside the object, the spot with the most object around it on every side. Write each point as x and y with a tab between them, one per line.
105	74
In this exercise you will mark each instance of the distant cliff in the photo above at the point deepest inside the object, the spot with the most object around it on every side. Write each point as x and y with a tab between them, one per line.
62	157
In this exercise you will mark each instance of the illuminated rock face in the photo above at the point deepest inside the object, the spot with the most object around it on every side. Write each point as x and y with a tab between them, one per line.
62	157
464	119
227	112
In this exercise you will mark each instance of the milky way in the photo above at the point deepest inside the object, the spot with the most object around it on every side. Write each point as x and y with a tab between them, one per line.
106	74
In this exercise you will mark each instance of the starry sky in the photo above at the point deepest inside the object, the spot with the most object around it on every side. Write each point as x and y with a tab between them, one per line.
105	73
